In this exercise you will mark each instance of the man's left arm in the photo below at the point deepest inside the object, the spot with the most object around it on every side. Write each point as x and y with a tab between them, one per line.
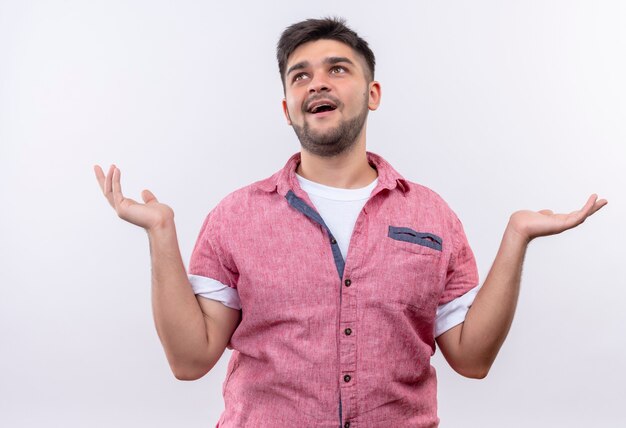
471	347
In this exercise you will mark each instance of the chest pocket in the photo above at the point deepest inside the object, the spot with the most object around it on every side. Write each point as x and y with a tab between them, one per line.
418	239
413	267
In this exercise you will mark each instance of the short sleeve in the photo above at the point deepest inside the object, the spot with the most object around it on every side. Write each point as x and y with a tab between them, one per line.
208	259
453	313
215	290
462	272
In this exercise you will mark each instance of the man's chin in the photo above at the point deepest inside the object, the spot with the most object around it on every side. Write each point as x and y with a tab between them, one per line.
329	139
324	135
323	127
325	139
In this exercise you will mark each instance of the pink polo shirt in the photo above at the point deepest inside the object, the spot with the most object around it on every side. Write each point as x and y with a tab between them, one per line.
324	341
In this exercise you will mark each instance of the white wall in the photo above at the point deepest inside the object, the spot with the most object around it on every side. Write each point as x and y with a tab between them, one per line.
497	106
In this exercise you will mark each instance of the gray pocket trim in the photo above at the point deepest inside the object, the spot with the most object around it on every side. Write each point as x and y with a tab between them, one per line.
407	234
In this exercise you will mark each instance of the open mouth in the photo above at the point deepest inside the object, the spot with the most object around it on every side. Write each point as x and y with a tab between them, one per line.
321	107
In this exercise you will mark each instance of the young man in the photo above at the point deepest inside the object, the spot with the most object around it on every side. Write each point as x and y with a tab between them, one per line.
333	278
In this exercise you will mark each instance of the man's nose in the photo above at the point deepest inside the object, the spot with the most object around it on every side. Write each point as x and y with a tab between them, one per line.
319	83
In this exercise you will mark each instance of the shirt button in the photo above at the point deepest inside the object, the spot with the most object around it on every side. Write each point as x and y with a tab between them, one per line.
348	282
347	378
346	425
348	331
333	241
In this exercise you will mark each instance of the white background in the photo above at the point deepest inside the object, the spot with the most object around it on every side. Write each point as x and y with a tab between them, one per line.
497	106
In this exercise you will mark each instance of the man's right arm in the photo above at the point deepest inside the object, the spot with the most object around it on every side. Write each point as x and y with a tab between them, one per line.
194	331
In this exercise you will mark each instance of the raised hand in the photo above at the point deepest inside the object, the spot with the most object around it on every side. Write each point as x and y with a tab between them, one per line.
531	224
150	215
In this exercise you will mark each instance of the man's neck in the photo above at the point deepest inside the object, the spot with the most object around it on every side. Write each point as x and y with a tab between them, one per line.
349	170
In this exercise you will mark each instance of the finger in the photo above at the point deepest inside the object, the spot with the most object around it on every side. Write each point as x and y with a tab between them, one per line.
593	205
547	212
107	182
148	196
584	211
99	176
589	204
577	217
117	187
598	205
107	186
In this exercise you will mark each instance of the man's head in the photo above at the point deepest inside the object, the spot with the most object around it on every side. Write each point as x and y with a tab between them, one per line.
319	29
327	73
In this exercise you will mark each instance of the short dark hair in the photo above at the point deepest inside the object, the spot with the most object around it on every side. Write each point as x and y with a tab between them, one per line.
318	29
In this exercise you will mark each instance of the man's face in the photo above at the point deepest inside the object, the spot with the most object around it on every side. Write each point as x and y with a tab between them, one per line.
327	96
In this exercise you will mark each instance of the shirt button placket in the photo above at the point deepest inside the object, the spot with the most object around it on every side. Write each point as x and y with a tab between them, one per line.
348	350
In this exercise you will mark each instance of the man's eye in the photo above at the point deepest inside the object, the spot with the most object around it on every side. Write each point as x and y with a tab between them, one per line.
337	69
299	76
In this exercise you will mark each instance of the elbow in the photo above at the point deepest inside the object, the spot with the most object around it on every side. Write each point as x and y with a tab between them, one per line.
191	367
189	372
477	372
186	375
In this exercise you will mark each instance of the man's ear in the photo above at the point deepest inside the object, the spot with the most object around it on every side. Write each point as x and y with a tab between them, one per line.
374	95
286	111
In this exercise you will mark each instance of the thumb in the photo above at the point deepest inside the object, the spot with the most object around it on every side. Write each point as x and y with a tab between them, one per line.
148	196
546	212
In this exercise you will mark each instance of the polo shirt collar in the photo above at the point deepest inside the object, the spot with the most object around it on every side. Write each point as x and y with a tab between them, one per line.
285	180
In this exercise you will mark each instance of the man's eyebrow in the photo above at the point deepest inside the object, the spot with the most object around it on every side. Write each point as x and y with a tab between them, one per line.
329	60
337	59
298	66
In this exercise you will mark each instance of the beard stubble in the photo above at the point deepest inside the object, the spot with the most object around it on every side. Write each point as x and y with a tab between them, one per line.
334	141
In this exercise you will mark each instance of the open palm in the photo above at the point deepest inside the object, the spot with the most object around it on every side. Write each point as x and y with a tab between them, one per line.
150	215
533	224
